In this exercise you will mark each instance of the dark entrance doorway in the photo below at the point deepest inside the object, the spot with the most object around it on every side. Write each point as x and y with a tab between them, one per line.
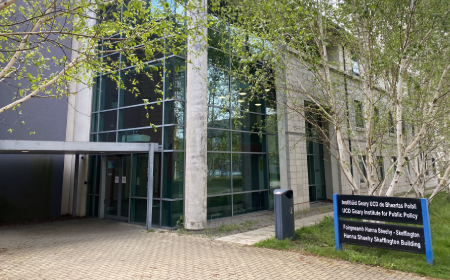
314	149
316	171
117	191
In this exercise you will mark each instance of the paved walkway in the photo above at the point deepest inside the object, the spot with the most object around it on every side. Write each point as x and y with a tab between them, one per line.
254	236
102	249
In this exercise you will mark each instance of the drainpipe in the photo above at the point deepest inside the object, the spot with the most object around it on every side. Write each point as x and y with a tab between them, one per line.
348	117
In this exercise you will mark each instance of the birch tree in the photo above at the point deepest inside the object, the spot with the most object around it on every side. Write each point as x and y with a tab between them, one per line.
87	33
401	51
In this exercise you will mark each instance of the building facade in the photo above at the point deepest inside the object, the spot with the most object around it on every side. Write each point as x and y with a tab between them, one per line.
211	162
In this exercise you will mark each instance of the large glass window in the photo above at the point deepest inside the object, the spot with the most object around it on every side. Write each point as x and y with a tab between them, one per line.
119	115
140	116
109	93
108	121
142	87
173	175
244	203
218	87
175	73
171	213
219	207
359	114
174	138
247	121
174	112
141	135
219	173
218	140
242	153
248	142
249	172
218	118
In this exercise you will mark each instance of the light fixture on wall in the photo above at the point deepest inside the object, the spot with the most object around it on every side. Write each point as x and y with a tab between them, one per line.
267	89
258	104
240	100
222	97
242	93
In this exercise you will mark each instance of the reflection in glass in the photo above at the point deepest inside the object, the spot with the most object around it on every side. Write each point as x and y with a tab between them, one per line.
125	185
139	180
94	119
248	142
138	211
249	172
218	140
274	161
219	207
175	76
218	40
218	118
156	211
139	183
218	173
141	54
248	122
109	94
107	137
246	97
140	117
142	87
112	186
108	121
174	112
171	213
95	94
141	135
93	138
218	58
218	87
173	175
112	60
93	186
174	138
250	202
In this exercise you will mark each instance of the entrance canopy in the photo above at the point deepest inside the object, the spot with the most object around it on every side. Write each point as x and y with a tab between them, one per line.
83	148
62	147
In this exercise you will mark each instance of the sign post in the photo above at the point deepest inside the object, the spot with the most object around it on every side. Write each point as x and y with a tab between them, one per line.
427	231
380	235
337	239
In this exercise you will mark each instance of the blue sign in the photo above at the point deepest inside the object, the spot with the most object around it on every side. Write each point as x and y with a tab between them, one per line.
388	236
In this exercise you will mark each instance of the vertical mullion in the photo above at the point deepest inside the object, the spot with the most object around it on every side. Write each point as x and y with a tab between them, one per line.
129	190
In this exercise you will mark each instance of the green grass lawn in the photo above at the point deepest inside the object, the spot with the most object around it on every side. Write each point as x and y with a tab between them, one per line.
319	240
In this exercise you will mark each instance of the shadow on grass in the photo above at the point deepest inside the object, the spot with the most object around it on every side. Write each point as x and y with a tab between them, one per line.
319	240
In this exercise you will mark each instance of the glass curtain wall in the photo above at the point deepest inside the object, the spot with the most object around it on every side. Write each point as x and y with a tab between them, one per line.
118	115
93	186
242	160
315	154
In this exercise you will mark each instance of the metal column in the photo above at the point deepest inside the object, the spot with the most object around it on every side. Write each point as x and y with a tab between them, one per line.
75	186
151	154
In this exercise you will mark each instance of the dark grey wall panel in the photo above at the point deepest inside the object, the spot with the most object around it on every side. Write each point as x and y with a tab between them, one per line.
31	185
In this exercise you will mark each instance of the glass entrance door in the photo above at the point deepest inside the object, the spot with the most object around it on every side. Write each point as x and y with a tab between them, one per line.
117	195
316	171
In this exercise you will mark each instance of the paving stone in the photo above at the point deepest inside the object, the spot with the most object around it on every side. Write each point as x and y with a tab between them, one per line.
102	249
